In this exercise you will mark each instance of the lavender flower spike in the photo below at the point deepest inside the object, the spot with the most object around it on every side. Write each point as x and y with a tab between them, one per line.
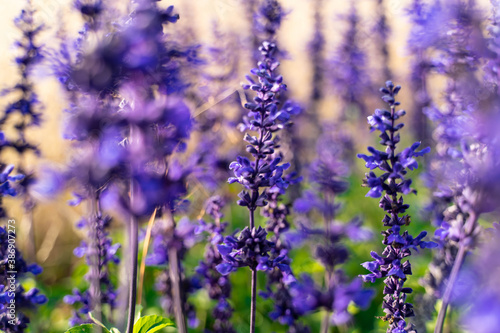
391	185
266	117
24	112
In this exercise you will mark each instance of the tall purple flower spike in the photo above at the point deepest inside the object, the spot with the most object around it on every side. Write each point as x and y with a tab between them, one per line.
126	95
265	116
350	78
391	185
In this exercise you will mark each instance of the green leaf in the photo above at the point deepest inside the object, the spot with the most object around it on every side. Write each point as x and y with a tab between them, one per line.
150	324
86	328
114	330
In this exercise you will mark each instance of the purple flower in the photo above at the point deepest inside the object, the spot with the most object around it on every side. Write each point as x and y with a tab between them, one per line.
24	110
265	173
336	299
350	78
480	301
390	184
13	291
100	254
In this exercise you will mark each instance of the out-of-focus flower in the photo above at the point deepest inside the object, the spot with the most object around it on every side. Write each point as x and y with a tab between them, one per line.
484	272
421	66
11	291
180	236
336	298
99	252
218	285
350	79
25	111
382	31
456	176
327	174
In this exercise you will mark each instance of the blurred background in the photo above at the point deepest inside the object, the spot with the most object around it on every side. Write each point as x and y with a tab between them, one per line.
55	233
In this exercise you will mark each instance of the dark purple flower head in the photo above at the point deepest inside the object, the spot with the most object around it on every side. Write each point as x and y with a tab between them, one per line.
269	17
382	32
7	180
249	249
139	51
330	169
91	11
316	50
265	116
27	106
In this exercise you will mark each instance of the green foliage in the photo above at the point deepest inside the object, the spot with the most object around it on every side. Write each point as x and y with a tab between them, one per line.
86	328
150	324
146	324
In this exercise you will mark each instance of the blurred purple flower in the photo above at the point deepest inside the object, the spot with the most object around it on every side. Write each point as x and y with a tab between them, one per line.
350	78
11	290
215	280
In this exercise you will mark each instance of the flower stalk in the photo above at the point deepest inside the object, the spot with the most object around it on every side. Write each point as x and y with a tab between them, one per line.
457	265
133	253
175	278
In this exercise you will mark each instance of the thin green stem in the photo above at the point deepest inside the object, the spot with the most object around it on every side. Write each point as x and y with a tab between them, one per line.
95	283
253	304
134	249
175	278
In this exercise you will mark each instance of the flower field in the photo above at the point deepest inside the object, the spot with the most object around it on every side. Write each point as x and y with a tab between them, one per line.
223	166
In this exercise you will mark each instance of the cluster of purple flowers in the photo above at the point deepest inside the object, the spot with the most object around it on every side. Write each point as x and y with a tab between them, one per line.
461	191
7	181
127	116
328	175
22	113
217	284
15	301
265	116
391	185
27	106
99	252
481	280
280	279
350	78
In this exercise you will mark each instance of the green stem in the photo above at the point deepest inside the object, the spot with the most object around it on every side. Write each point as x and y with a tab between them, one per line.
469	227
